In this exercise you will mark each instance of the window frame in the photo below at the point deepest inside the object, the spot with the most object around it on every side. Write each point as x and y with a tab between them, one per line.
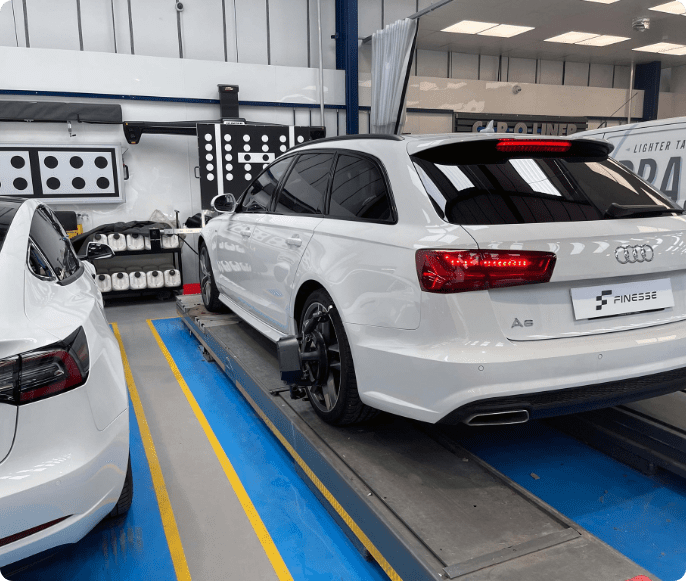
384	174
74	275
29	246
287	175
279	185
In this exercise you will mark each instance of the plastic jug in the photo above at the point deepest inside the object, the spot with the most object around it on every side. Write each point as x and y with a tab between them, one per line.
170	241
135	242
137	280
172	277
104	282
117	242
120	281
100	239
155	278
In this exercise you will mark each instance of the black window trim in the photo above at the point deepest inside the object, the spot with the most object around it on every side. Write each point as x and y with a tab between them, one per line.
78	272
53	277
384	174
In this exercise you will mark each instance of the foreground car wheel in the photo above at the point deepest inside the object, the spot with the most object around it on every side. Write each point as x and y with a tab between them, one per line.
337	401
126	498
210	293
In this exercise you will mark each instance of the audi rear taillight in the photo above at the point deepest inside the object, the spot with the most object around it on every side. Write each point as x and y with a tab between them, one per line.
47	371
456	271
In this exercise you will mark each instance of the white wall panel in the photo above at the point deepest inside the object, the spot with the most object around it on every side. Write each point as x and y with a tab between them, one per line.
622	77
576	74
601	76
432	63
550	72
328	29
522	70
231	44
155	32
96	25
488	68
364	58
504	68
202	30
398	9
251	27
368	17
122	29
464	66
7	32
288	32
53	24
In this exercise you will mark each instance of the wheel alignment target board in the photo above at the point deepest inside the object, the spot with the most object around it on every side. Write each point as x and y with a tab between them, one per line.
231	156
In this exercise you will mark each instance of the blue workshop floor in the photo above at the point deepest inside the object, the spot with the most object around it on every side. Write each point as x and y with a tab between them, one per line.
643	517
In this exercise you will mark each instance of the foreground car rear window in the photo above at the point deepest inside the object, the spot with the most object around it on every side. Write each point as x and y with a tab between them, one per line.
471	183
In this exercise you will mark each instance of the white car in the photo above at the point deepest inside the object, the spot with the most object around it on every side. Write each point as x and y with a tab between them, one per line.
482	279
64	423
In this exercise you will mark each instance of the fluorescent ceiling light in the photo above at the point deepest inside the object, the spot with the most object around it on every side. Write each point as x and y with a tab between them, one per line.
603	40
670	8
506	30
572	37
676	51
603	1
659	47
470	27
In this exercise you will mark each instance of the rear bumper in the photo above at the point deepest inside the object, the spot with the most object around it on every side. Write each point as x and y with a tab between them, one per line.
429	377
61	465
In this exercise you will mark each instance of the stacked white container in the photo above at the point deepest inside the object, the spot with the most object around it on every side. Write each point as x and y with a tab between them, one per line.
117	242
135	242
103	282
170	241
155	279
100	239
137	279
172	277
120	281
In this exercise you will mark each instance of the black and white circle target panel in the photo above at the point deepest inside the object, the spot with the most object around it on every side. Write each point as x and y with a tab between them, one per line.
232	156
67	174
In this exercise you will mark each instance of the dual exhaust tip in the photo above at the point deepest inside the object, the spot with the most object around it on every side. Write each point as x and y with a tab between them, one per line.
498	418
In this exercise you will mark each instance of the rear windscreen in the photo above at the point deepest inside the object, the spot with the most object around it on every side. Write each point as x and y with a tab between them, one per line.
524	190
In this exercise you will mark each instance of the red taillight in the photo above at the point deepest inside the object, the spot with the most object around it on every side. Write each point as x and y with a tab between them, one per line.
532	146
43	372
456	271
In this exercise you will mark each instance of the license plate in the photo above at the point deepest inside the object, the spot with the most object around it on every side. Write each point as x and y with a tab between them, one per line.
594	302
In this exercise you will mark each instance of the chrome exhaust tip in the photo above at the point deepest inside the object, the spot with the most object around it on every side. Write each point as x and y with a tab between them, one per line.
498	418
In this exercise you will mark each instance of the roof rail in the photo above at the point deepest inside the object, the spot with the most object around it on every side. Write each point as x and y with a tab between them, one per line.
383	136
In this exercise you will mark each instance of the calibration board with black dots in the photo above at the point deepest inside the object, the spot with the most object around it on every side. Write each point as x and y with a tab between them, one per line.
231	156
61	174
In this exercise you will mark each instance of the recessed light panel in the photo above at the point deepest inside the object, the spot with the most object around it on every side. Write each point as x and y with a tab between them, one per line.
670	8
676	51
603	1
470	27
659	47
506	30
603	40
572	37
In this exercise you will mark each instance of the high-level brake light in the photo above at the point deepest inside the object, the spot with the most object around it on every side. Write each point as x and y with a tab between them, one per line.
532	146
455	271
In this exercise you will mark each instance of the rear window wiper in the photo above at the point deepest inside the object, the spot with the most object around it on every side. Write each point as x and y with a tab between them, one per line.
621	211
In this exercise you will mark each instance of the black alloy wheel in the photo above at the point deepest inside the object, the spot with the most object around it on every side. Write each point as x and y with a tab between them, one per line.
208	288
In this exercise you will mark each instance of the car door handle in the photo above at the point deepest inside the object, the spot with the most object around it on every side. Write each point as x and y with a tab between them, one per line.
246	232
294	241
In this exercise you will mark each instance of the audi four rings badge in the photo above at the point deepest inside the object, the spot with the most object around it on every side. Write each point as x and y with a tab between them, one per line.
631	254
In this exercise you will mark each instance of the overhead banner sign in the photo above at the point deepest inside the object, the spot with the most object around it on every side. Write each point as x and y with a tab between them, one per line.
520	124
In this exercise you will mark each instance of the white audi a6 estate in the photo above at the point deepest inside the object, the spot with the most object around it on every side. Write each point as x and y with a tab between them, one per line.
482	279
64	424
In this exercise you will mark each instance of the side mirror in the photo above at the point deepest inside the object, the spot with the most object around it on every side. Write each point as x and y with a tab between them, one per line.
224	203
95	251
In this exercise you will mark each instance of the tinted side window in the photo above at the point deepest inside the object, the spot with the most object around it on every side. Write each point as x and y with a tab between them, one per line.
258	197
50	238
305	189
359	190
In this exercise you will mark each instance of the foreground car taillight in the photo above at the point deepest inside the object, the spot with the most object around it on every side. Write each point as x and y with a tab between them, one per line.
456	271
47	371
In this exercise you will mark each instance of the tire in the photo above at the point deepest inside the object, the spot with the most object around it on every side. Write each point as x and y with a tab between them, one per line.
126	497
341	388
208	288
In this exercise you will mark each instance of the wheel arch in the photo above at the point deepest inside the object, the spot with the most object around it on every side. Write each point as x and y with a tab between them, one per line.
305	290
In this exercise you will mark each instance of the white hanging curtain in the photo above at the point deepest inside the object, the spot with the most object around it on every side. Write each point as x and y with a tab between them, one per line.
392	51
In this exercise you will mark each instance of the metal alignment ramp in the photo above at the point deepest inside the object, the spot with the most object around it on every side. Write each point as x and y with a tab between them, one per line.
406	493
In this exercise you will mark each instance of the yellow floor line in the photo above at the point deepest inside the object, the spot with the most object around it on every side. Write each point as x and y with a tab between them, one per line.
261	531
168	521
